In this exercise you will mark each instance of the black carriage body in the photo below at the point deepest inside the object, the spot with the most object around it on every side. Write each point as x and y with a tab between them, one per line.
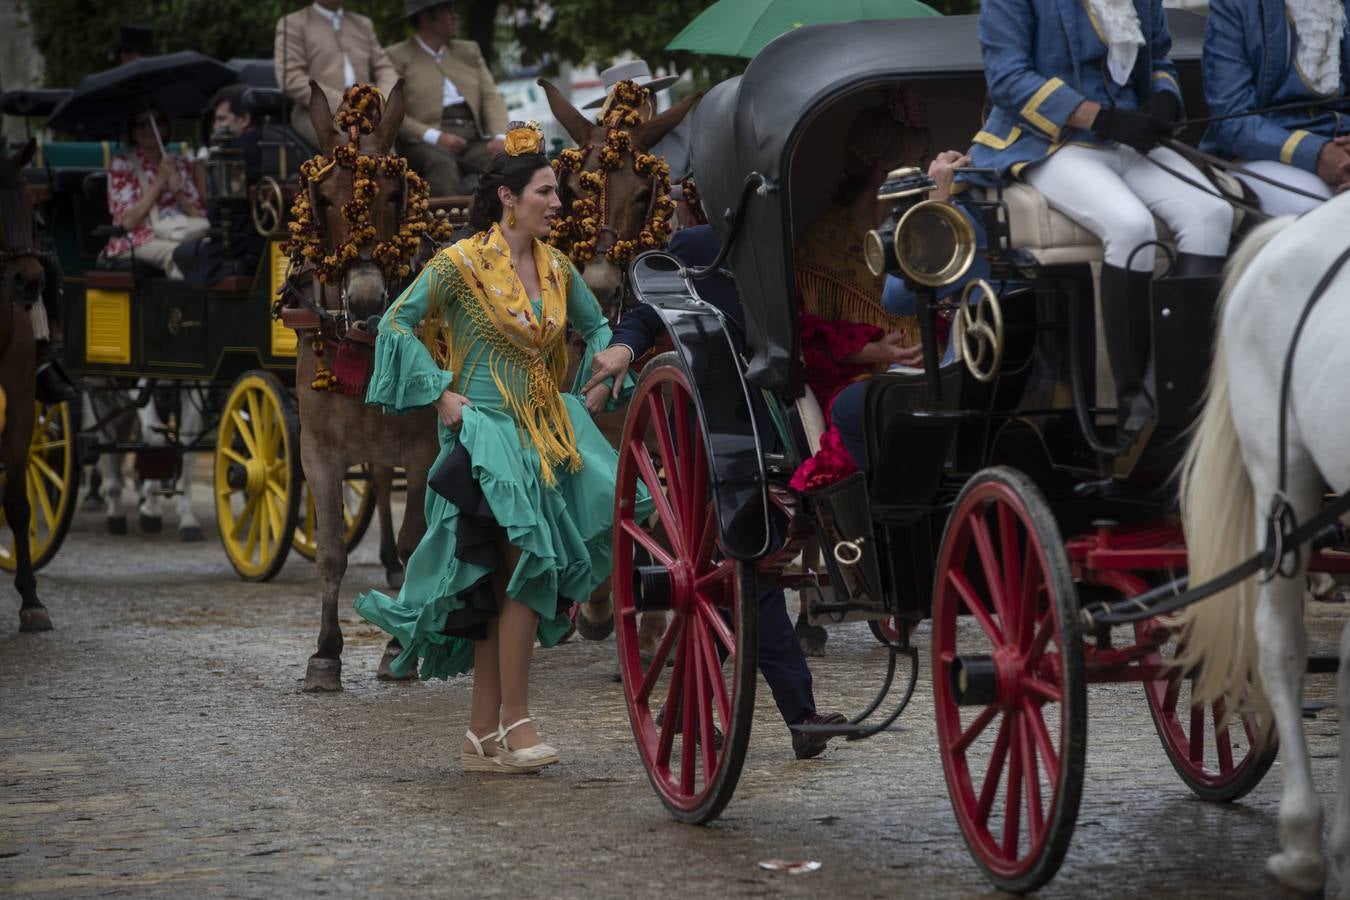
774	130
972	487
782	123
168	329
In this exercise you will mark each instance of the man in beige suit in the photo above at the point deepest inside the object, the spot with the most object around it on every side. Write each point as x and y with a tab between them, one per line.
455	119
333	47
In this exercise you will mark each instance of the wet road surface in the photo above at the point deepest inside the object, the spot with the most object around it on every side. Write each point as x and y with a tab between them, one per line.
157	744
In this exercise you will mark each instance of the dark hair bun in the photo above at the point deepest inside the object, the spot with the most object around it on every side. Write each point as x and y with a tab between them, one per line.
513	172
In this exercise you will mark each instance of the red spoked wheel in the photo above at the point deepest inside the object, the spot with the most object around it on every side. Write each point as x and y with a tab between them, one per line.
1217	762
1009	686
691	721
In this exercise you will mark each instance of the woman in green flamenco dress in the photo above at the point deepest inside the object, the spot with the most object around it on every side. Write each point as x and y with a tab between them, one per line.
522	495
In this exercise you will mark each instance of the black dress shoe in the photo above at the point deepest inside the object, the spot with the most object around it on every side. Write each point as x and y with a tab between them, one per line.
807	744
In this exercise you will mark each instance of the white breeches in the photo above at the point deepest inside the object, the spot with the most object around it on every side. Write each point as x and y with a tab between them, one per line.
1279	202
1115	192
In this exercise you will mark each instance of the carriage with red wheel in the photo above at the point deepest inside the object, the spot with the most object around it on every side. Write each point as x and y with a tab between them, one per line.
1000	499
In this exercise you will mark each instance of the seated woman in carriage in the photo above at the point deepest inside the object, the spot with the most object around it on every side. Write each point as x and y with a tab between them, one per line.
152	195
1083	95
1274	54
854	323
846	333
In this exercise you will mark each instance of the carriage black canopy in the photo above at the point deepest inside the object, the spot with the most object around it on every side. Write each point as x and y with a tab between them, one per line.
754	124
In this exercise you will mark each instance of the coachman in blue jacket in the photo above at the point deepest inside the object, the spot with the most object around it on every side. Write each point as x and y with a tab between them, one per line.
1276	53
1082	93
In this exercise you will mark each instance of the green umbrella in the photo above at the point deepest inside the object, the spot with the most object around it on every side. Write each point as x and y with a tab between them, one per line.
743	27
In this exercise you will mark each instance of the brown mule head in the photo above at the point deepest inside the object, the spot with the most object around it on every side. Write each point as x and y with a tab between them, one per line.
364	286
628	195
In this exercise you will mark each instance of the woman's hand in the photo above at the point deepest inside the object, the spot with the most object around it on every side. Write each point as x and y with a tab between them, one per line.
889	350
450	407
168	175
597	398
893	345
609	362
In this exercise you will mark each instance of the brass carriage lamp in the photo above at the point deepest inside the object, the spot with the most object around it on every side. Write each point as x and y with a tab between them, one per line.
226	173
927	242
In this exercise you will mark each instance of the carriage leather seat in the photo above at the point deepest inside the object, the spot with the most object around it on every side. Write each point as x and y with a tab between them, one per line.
1051	238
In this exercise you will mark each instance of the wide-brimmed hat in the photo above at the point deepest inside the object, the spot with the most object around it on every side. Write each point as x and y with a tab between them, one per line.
413	7
636	71
134	39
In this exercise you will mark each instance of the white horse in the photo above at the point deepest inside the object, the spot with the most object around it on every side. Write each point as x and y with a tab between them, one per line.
152	430
1255	632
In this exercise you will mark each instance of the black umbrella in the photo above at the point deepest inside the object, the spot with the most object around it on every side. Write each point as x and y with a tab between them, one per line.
254	72
180	84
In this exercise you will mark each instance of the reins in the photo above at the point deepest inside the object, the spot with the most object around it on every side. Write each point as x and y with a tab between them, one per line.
1297	105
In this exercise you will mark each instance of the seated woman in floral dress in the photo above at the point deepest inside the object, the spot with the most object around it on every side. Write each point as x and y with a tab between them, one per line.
148	185
521	506
846	334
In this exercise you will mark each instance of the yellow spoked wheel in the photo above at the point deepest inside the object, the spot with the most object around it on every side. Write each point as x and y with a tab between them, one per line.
257	475
53	481
358	507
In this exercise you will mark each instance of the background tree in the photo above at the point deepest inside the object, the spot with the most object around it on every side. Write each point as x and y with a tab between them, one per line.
74	35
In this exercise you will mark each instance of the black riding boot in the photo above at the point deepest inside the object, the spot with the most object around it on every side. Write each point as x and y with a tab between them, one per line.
1195	264
53	384
1125	323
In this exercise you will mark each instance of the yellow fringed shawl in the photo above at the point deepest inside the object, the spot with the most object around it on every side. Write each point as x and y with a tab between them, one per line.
526	354
833	279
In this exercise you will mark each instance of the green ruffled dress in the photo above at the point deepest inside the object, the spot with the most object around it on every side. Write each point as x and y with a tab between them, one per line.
563	532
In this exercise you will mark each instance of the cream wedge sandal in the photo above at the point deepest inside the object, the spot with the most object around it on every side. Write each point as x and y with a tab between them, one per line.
527	759
479	760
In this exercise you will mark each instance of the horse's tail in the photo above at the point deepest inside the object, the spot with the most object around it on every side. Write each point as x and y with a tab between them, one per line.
1217	640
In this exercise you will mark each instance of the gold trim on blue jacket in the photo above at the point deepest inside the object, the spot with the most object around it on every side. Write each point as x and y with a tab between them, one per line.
1249	64
1038	72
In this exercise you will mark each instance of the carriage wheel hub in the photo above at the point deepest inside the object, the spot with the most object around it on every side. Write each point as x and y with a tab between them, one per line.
681	585
1011	667
255	476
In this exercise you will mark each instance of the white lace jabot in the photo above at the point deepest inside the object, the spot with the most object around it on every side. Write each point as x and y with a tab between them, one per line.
1320	26
1119	24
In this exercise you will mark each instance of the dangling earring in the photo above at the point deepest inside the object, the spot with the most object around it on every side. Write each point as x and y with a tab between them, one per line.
511	216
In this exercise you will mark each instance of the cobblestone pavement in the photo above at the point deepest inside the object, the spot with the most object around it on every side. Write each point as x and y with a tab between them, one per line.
157	744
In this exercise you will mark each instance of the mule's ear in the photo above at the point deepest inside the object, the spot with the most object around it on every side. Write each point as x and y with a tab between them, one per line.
25	156
571	119
392	117
321	117
649	134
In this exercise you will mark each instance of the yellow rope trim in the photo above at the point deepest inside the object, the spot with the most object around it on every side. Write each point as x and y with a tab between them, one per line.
829	296
1287	151
1029	111
989	139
